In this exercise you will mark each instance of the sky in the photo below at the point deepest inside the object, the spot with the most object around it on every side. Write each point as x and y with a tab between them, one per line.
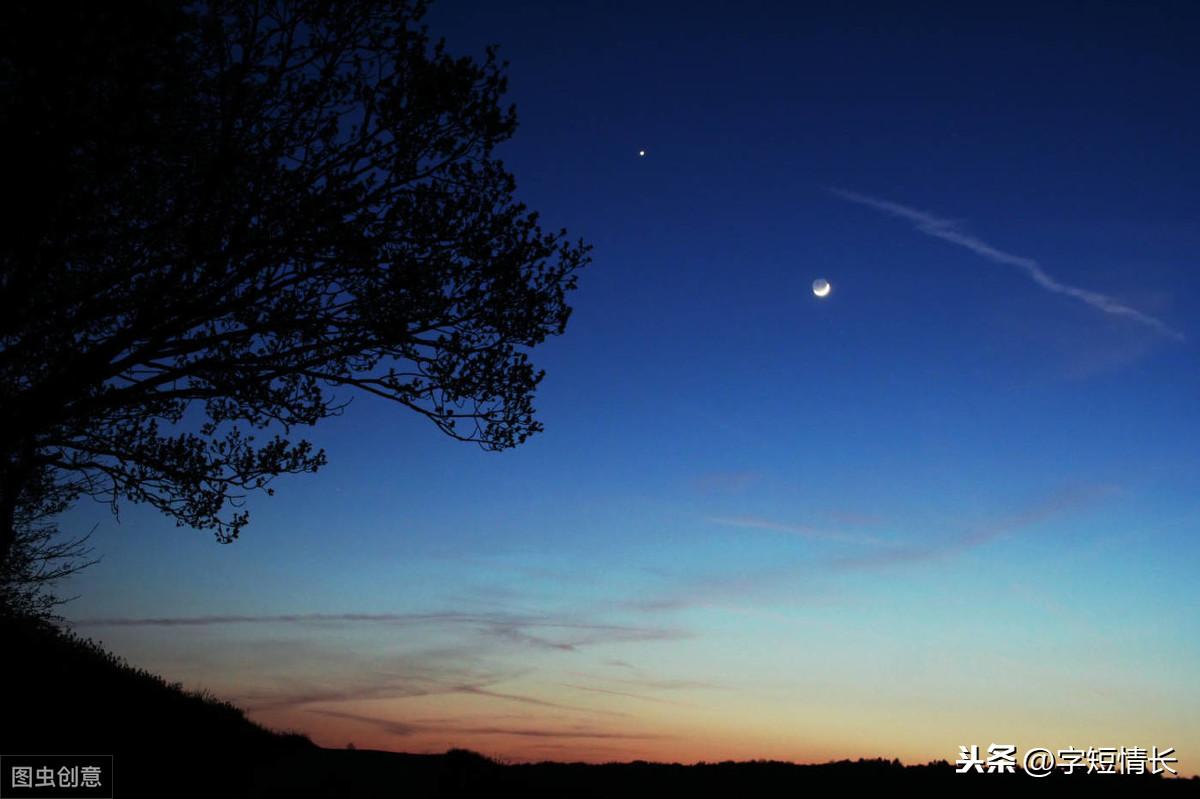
955	502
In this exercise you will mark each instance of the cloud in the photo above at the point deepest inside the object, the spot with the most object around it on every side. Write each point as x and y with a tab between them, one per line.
788	584
476	690
404	728
1056	504
505	626
802	530
667	684
383	678
726	482
390	726
367	678
321	676
516	635
804	581
627	694
299	618
949	231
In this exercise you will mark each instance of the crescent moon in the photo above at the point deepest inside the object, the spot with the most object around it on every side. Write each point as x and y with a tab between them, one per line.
821	287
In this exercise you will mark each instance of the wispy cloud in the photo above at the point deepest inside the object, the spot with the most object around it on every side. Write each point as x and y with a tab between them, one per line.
369	679
726	482
476	690
1056	504
448	617
518	636
398	678
611	692
404	728
949	231
390	726
791	583
803	581
802	530
317	670
510	627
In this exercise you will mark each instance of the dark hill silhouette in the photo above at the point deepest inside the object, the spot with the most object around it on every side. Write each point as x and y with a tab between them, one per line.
66	695
63	694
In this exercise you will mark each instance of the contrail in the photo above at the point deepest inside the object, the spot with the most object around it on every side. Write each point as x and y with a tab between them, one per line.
948	230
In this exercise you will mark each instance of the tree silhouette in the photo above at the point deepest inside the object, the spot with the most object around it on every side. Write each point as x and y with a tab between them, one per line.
234	208
40	557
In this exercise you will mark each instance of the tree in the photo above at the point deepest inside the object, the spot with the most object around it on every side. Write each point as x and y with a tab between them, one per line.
40	557
229	210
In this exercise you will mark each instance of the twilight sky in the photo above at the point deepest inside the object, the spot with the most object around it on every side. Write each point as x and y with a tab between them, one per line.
956	502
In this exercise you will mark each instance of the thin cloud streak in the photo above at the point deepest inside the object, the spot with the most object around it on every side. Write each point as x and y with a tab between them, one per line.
402	728
627	694
948	230
1057	504
377	678
378	684
726	482
511	627
304	618
802	530
548	633
475	690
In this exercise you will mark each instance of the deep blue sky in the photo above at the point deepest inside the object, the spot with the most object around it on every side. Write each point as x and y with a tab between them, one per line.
751	498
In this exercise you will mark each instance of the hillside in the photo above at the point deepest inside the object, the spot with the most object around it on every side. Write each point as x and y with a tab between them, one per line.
64	694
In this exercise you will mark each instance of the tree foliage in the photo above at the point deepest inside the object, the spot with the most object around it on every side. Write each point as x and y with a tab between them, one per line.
39	558
231	209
